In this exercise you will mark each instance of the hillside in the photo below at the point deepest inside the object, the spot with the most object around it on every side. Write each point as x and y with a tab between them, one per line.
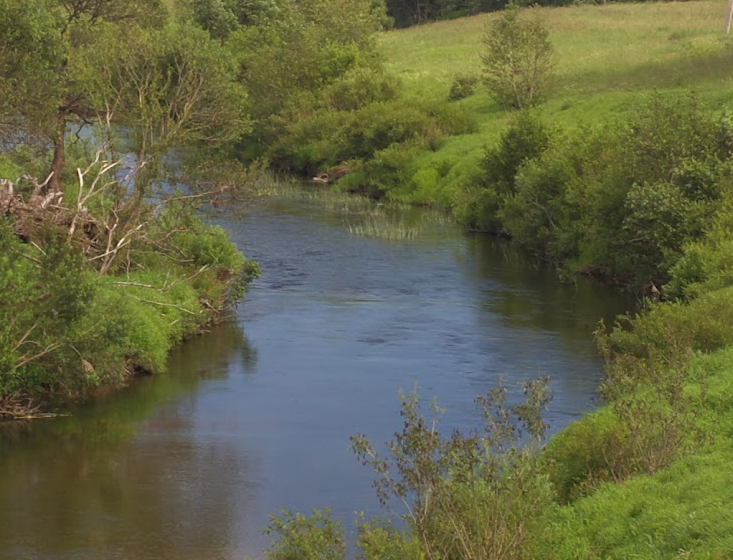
607	58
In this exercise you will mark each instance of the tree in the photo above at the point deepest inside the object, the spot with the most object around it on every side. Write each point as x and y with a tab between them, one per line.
40	96
171	87
517	58
286	61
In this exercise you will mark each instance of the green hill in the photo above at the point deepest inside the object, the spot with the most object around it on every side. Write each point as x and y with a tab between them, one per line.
607	57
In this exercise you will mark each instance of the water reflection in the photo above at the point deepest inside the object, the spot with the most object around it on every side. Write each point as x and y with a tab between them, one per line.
124	477
190	464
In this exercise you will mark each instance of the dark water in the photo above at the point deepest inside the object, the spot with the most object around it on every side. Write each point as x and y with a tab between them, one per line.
256	415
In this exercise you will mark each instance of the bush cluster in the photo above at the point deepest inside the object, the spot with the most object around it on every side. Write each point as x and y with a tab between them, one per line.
59	338
620	202
379	138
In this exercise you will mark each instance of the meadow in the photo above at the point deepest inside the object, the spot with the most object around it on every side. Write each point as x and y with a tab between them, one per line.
607	59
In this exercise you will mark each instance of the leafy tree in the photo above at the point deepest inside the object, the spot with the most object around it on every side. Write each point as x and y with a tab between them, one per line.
517	58
171	86
39	39
288	60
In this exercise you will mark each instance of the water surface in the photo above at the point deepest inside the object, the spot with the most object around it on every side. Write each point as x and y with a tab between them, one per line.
256	415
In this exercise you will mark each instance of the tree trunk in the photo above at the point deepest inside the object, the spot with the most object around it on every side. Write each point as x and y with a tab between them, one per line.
59	158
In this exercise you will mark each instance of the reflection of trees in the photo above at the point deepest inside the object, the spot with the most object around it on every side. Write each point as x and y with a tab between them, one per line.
215	353
532	324
530	297
130	478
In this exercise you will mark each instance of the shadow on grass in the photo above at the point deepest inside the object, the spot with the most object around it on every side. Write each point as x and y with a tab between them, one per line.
685	71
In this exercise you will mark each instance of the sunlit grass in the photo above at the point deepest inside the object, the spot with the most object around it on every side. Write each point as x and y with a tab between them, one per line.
607	58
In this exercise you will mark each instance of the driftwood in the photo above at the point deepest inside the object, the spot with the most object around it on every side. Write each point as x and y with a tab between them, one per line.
35	208
31	212
13	407
333	174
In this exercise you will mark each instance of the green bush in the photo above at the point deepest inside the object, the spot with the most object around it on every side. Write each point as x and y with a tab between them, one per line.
707	263
361	87
517	58
387	170
675	329
582	456
300	537
381	541
526	136
390	133
462	86
524	139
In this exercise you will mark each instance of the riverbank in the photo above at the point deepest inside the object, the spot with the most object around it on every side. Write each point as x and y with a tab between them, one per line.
644	476
92	293
632	122
622	173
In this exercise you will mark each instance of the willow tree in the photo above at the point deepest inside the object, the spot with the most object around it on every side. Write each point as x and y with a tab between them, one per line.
40	94
170	88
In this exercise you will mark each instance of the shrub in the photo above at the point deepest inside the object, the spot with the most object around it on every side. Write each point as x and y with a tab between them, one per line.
478	496
526	136
707	263
360	87
517	58
300	537
524	139
463	85
381	541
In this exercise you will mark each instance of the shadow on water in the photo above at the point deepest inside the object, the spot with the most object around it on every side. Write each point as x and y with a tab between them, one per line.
528	295
120	478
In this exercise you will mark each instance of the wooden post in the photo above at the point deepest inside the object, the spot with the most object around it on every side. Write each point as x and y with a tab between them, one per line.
728	18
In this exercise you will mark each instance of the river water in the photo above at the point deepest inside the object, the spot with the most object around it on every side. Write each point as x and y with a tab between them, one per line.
256	414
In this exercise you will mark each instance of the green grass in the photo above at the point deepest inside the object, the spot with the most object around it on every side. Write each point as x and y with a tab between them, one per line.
681	512
382	226
607	57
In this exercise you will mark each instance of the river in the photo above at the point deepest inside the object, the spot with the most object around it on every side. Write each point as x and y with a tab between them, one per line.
256	414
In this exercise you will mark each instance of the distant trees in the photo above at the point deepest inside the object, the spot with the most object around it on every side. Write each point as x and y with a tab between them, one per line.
412	12
517	58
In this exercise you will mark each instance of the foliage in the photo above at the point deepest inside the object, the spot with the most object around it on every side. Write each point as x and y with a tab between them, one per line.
300	537
43	94
525	138
517	58
171	86
287	61
463	85
75	264
620	202
378	141
379	540
474	496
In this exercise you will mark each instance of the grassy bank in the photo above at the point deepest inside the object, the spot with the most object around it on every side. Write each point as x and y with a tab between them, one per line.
93	293
634	122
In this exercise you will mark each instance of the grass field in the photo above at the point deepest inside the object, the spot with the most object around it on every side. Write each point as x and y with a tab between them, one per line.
606	58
